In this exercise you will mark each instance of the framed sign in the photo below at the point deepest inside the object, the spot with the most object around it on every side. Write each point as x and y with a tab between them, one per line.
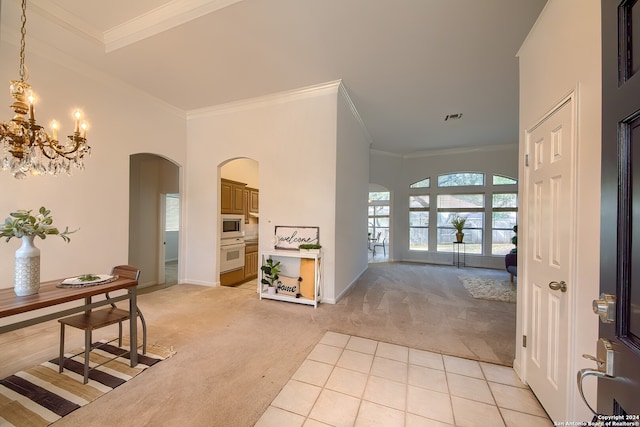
291	237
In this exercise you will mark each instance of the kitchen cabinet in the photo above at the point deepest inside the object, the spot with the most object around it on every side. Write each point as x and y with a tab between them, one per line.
253	200
250	198
251	261
232	197
232	277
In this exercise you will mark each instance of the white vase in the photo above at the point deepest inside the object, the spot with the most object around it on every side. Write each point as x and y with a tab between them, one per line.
27	271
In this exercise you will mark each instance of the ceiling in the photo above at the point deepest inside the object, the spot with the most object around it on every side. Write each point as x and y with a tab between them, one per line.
406	64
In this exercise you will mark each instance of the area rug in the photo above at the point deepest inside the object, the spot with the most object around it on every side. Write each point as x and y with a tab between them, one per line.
40	395
490	289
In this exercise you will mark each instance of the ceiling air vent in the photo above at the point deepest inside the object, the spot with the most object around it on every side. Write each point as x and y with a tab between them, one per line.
456	116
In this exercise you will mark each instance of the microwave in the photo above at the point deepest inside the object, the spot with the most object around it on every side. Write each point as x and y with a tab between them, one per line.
231	226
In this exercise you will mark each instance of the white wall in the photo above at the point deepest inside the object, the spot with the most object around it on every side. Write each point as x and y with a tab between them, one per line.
397	173
293	137
352	184
122	121
562	54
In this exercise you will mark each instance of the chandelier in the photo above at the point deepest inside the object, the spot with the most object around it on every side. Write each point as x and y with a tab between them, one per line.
25	147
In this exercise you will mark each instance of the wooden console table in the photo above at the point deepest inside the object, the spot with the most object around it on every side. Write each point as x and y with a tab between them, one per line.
50	296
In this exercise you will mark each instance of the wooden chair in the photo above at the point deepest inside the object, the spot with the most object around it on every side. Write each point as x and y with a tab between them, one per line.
97	319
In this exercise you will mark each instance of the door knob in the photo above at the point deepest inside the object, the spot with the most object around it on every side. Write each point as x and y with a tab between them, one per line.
605	307
562	286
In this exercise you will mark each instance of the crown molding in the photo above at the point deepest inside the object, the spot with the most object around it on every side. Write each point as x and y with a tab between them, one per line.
43	49
342	89
385	153
446	151
267	100
52	12
460	150
163	18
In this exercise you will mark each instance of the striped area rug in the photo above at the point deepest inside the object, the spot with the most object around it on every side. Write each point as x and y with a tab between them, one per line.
40	395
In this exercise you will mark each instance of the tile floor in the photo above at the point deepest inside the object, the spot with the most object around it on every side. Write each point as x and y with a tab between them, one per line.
352	381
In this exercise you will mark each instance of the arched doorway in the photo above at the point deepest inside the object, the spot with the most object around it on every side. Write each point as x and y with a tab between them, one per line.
154	198
239	181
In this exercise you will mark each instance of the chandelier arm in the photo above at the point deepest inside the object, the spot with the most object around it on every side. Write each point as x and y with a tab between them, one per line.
60	149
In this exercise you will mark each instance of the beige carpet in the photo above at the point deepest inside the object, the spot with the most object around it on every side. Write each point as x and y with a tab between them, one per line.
237	352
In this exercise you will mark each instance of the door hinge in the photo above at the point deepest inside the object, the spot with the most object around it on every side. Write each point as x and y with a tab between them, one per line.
524	340
526	160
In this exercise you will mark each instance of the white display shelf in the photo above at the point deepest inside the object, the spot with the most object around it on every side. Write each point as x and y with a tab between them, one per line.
289	298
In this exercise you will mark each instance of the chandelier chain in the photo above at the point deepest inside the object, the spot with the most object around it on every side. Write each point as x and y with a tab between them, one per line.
23	32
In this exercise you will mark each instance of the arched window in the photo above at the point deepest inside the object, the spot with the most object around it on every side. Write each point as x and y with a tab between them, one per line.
489	206
424	183
460	179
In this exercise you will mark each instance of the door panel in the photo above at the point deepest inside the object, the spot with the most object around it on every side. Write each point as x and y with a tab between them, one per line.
550	182
620	243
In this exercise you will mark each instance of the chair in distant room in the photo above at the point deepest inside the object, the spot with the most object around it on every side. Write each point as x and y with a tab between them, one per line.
380	243
96	319
511	264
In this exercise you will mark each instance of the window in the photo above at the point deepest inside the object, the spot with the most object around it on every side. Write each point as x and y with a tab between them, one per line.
503	180
503	219
469	206
419	223
425	183
489	206
460	179
172	208
379	214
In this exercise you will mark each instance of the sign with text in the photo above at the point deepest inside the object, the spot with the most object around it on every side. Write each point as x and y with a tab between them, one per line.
292	237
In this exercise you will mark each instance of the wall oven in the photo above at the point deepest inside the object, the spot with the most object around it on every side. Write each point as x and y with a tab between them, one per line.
231	226
231	254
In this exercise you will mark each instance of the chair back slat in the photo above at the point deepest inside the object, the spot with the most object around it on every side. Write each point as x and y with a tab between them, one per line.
127	271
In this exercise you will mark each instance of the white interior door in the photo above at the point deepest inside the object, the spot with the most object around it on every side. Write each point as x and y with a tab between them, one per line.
550	186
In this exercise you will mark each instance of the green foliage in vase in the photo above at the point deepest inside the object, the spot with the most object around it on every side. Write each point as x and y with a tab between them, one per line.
22	223
309	246
458	223
271	270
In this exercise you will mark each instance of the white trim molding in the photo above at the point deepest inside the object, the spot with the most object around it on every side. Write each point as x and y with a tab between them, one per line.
163	18
266	100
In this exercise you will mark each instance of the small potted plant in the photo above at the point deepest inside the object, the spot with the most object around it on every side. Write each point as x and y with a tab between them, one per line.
26	226
270	276
312	248
458	223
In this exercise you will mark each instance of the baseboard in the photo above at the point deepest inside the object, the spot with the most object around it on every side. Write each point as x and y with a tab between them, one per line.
201	283
345	290
517	368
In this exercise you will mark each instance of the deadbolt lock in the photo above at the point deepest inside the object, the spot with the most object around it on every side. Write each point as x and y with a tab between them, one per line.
605	307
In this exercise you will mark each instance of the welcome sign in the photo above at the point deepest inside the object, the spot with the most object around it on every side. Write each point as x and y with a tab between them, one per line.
291	237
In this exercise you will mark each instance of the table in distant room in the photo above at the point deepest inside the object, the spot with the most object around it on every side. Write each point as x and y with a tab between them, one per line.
459	254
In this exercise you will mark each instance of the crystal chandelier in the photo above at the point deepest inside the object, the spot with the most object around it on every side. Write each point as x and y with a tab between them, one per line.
25	147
